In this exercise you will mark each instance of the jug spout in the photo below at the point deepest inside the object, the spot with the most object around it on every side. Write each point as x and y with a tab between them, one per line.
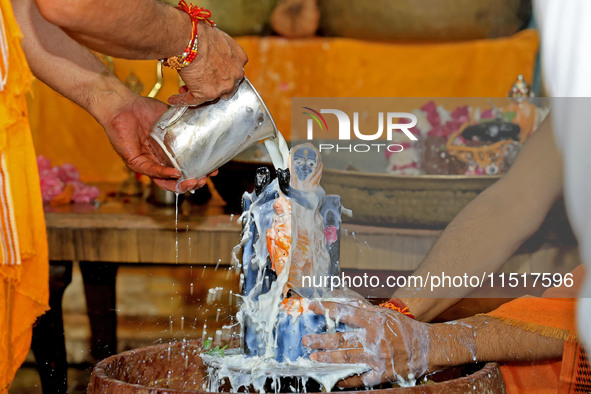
198	140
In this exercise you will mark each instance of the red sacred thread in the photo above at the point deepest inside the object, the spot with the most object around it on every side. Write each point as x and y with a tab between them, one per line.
190	53
396	305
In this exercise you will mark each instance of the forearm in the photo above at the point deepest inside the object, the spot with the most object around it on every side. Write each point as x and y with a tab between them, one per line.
65	65
483	338
476	239
138	29
491	227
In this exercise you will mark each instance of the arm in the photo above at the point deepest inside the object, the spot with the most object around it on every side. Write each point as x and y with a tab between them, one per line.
76	73
140	29
149	29
492	226
485	338
399	348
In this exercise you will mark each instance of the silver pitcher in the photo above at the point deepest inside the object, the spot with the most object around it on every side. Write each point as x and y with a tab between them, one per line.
198	140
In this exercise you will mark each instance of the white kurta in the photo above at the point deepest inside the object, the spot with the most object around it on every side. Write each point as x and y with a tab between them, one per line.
565	31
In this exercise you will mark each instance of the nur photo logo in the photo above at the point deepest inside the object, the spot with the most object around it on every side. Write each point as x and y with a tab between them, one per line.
391	125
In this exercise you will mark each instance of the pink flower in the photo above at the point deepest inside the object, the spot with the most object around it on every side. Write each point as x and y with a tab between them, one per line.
43	163
461	114
51	185
54	180
84	194
474	169
488	114
437	131
67	173
432	114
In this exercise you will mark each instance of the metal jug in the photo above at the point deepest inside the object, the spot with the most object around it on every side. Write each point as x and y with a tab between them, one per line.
198	140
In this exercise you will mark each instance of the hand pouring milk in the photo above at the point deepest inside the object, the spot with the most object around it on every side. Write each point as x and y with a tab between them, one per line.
198	140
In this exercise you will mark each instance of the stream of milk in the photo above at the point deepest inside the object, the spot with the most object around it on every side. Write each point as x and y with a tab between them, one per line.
278	150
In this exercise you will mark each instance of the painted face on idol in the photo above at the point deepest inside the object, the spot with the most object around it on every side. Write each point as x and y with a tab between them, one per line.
304	163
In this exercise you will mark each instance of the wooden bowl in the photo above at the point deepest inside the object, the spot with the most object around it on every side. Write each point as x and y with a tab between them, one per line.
178	368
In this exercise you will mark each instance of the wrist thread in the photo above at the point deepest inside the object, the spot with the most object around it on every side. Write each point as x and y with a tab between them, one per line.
397	305
190	53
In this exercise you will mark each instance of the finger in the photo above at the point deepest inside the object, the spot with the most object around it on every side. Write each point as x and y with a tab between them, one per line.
183	187
333	341
214	173
187	99
191	184
199	184
350	356
183	89
151	168
348	314
233	91
166	184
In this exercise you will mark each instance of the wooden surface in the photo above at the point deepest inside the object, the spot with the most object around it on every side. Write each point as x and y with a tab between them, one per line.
134	231
131	230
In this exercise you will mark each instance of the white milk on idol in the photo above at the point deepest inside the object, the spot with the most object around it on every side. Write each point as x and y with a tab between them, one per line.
243	371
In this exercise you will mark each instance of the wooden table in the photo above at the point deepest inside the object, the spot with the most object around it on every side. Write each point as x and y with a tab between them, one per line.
139	232
131	230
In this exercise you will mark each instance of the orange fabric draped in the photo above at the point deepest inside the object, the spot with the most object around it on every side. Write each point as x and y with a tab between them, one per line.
554	318
281	69
24	279
551	317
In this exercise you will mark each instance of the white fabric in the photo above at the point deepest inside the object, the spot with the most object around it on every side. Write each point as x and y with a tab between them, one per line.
565	29
4	53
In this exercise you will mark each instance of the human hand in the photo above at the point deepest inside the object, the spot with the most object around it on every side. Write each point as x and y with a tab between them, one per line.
128	125
216	71
396	347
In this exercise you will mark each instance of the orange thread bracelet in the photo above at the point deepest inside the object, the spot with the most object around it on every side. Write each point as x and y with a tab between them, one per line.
197	14
396	305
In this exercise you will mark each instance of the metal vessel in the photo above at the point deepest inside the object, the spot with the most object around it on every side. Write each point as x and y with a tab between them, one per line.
198	140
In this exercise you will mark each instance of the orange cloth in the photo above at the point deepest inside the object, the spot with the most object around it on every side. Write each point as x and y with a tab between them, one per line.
554	318
24	287
281	69
532	377
550	317
575	375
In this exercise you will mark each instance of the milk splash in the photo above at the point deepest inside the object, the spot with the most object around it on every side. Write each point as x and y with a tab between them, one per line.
291	210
